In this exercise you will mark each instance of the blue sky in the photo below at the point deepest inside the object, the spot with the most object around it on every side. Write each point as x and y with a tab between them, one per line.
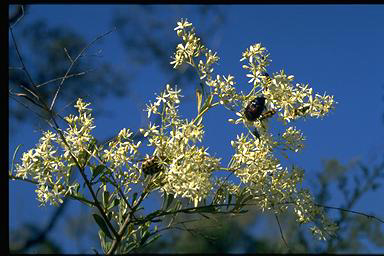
337	49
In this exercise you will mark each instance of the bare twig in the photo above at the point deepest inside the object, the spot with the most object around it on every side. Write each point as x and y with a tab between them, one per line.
281	232
74	197
17	16
20	58
351	211
59	78
27	107
69	56
73	62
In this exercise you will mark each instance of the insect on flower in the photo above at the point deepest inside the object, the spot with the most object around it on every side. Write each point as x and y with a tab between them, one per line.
255	108
151	166
254	111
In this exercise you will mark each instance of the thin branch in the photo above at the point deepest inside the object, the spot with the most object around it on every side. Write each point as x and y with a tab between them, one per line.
74	197
74	61
121	232
351	211
89	186
20	58
17	16
67	53
281	233
27	107
68	76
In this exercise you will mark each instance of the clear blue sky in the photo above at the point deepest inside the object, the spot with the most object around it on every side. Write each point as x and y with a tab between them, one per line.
337	49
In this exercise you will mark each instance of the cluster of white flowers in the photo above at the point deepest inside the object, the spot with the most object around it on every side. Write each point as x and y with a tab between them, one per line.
52	162
254	160
293	139
295	101
120	156
188	167
191	48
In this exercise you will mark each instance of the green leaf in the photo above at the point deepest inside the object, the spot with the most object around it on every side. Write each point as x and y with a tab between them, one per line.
134	198
105	198
229	200
103	226
209	208
153	214
13	158
168	199
102	239
114	203
153	239
145	236
96	171
80	197
199	99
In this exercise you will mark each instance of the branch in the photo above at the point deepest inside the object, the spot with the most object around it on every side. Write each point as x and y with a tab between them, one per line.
281	233
351	211
74	197
17	16
23	67
74	61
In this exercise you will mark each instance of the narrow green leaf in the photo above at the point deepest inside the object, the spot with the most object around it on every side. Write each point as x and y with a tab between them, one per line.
153	239
153	214
13	158
103	226
229	200
105	198
97	171
145	236
114	203
102	240
168	199
134	198
165	199
199	99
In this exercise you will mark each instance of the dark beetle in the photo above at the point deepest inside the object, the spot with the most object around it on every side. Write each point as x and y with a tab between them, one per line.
151	166
255	108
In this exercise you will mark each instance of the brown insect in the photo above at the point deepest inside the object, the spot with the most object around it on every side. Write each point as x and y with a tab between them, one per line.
151	166
267	114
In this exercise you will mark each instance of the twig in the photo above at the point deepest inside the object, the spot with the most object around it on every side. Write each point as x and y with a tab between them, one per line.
19	14
74	61
20	58
281	232
74	197
351	211
69	56
116	242
27	107
59	78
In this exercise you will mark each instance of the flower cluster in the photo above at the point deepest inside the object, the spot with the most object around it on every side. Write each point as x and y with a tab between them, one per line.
254	161
120	157
295	101
188	167
293	139
191	48
53	160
